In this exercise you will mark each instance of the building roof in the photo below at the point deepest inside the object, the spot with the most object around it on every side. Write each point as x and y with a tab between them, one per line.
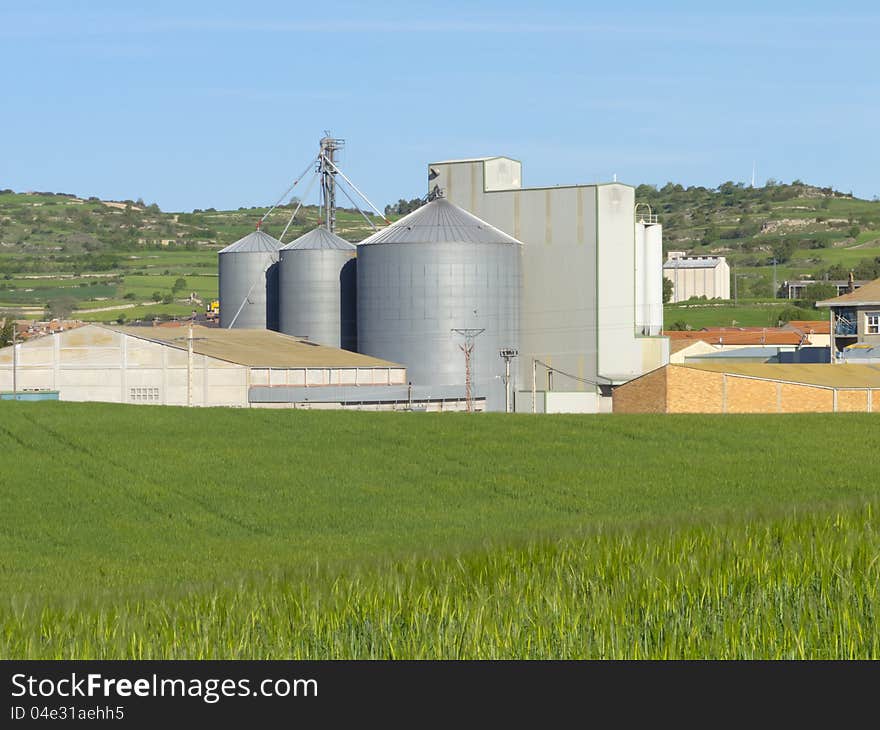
861	352
254	242
866	295
677	345
768	336
700	262
256	348
753	352
827	375
319	239
811	326
439	222
473	159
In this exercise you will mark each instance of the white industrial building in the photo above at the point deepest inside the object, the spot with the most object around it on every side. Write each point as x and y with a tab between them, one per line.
591	306
210	367
697	276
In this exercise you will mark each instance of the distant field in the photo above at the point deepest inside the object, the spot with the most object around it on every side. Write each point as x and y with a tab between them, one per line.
700	315
159	532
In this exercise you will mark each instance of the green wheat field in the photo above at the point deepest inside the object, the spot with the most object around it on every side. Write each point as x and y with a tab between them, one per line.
139	532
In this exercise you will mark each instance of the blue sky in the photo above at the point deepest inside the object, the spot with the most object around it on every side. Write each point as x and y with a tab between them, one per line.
221	104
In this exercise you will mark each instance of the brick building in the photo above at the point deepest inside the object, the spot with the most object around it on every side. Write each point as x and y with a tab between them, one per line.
752	388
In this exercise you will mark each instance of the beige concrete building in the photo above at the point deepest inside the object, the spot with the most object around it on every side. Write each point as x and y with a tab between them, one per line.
752	388
697	276
217	367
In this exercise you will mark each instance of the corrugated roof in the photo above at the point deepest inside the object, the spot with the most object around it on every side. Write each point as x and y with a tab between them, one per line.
699	263
809	326
254	242
738	337
319	239
256	348
867	295
750	351
831	376
438	222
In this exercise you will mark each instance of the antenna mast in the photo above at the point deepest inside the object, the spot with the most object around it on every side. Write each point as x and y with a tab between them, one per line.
327	170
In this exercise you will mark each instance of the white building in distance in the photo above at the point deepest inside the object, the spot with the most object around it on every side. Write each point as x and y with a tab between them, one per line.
697	276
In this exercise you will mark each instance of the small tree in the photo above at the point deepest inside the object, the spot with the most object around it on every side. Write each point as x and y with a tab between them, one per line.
667	290
6	332
179	285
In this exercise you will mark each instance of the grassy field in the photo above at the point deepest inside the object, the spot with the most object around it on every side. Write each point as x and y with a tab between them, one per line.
166	532
754	314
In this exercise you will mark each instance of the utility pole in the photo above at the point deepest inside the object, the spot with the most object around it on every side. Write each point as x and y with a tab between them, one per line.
534	385
189	366
735	286
189	360
14	363
469	334
507	354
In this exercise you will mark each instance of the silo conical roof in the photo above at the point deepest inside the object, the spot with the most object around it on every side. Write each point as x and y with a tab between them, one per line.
437	222
254	242
319	239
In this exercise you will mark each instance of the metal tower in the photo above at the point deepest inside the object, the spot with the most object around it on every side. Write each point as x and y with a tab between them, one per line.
328	170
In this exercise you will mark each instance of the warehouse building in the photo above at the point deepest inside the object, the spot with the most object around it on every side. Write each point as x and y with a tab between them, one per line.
697	276
210	367
591	310
732	387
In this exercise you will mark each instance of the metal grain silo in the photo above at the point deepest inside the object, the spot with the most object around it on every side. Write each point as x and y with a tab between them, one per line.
436	270
317	289
249	282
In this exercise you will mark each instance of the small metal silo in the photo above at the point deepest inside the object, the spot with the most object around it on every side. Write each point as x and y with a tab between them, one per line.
317	289
249	282
436	270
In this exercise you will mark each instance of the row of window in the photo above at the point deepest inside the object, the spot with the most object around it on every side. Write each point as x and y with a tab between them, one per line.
143	395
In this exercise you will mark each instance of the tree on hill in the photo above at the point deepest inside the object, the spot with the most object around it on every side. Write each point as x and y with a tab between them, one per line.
818	292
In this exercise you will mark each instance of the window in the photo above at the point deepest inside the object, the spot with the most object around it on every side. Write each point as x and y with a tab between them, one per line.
872	323
143	395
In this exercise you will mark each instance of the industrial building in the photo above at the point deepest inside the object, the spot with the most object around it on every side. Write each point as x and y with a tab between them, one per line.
205	366
733	387
697	276
591	309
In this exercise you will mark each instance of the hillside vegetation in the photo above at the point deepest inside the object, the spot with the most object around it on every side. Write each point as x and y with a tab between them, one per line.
103	260
170	532
61	255
809	231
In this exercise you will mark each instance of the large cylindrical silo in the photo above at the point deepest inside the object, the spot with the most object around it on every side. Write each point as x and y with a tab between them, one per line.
653	273
316	289
248	282
434	271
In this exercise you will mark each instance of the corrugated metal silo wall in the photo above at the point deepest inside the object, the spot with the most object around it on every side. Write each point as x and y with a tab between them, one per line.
243	277
311	294
411	296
